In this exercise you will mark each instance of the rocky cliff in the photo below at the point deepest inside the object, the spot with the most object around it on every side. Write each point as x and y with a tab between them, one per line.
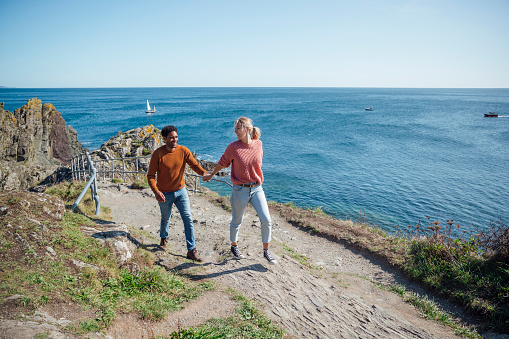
34	141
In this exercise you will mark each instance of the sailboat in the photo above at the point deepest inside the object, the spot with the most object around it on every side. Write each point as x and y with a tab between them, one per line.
150	110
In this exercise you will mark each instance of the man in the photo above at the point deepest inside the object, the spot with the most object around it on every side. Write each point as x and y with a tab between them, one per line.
169	163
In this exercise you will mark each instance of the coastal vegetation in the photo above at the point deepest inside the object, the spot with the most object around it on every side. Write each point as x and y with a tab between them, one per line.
470	269
59	264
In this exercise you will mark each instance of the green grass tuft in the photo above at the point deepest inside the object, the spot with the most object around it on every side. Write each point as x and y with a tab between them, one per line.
247	322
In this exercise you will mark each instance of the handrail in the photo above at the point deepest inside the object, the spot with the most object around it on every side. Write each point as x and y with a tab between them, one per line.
92	183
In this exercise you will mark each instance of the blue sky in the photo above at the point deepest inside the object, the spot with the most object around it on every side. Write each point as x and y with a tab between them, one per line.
277	43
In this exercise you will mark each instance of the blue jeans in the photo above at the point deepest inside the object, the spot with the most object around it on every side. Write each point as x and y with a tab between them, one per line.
181	200
239	199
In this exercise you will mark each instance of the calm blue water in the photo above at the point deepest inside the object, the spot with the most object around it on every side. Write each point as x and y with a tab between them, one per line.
420	152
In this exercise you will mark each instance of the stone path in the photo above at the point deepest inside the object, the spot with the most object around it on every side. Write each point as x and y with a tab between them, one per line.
335	298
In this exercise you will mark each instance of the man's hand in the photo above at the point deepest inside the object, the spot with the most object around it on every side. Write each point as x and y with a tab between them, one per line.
160	196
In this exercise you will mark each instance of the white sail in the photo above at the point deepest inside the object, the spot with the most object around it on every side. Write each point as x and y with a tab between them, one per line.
148	106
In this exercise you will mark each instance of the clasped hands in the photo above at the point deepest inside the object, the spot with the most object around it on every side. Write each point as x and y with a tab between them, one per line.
160	196
207	177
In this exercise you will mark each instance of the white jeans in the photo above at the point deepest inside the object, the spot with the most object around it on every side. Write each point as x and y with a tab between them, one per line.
239	199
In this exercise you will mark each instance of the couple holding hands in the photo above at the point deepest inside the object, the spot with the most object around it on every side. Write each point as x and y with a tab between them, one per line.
244	155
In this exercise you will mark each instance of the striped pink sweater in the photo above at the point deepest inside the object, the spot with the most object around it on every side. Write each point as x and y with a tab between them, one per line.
246	161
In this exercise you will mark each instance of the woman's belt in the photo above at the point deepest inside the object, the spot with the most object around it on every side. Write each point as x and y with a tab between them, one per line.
251	184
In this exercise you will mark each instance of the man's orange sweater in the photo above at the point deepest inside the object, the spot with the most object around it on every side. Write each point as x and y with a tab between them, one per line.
170	167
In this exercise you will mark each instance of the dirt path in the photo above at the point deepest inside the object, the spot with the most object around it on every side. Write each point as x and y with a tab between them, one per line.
333	299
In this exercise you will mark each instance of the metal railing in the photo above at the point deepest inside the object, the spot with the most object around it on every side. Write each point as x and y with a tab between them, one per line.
92	183
119	166
82	168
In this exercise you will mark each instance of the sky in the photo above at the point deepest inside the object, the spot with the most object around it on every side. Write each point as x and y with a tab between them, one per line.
238	43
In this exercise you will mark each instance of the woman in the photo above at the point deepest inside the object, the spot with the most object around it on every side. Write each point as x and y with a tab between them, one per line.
245	155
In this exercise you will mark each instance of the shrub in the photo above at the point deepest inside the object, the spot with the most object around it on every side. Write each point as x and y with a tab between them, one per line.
453	266
140	184
495	242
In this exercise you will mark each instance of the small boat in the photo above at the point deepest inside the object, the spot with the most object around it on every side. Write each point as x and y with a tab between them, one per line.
368	108
491	115
149	110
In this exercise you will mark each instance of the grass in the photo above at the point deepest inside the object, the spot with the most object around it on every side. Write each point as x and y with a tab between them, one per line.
223	202
69	192
482	286
299	257
471	270
100	288
140	183
430	310
103	287
247	322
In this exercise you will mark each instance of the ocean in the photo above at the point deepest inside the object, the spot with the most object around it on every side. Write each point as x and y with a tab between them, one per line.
418	153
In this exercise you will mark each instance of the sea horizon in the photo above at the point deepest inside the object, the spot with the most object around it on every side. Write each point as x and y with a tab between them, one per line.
267	87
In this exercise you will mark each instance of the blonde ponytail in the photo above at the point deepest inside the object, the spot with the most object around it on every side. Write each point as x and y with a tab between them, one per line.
256	133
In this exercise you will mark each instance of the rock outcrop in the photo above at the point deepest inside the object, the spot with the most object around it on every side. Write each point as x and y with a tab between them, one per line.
137	142
34	141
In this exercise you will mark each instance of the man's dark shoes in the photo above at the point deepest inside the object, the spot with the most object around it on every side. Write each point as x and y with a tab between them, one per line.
164	244
193	255
236	252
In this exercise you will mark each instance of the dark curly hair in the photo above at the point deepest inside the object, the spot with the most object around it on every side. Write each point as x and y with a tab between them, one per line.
167	130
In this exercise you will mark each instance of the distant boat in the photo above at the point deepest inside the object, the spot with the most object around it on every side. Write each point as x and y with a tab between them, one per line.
491	115
368	108
150	110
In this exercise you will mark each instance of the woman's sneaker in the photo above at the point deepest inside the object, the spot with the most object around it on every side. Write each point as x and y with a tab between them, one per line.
236	252
270	259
